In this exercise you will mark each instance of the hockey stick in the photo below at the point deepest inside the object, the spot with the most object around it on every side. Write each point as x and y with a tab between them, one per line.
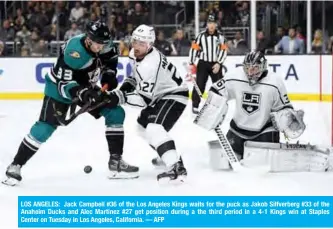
85	108
227	149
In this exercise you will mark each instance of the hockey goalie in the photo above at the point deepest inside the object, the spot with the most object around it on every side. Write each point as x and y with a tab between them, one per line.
262	112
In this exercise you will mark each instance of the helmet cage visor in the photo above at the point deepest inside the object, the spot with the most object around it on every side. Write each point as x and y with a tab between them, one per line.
253	71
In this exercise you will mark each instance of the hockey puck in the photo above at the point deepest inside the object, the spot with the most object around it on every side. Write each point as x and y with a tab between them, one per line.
87	169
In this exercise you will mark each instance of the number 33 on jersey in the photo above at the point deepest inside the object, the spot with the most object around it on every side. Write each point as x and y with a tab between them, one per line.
155	76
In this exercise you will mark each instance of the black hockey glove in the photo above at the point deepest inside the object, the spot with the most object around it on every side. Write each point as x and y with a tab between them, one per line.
89	95
117	97
109	77
128	85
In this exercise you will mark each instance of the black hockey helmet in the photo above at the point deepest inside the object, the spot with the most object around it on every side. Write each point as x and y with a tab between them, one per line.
254	65
98	32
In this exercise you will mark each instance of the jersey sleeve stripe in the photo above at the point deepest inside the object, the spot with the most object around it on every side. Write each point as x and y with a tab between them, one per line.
64	87
156	77
138	74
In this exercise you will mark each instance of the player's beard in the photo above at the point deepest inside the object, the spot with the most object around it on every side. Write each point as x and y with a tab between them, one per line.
139	54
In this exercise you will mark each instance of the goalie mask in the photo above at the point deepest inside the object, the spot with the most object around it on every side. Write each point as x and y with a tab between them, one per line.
254	65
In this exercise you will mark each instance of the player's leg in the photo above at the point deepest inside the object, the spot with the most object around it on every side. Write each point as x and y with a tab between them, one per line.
39	133
114	133
162	117
201	79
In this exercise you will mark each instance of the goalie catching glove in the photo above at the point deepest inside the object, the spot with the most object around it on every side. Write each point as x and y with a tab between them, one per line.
289	121
213	112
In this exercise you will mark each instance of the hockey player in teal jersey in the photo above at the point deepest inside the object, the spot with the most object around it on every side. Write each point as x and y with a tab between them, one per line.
72	80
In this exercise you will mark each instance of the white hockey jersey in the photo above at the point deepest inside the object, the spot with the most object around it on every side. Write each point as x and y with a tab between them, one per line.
157	78
253	103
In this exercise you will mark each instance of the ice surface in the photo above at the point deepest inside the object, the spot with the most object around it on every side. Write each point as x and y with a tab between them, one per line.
57	169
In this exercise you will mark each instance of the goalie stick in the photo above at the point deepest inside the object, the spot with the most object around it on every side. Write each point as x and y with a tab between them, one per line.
227	149
85	108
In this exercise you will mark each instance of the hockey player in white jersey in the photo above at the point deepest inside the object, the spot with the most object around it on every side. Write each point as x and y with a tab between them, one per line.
164	96
263	110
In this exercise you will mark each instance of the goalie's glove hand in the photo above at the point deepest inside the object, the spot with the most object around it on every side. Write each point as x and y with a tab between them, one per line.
289	121
128	85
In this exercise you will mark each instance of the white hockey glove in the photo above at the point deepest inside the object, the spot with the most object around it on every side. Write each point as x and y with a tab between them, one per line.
289	121
213	112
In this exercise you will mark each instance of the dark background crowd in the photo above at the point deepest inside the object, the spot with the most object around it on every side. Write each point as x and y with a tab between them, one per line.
39	28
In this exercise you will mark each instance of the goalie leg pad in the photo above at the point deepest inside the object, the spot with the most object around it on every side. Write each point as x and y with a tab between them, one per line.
217	160
213	112
288	157
257	153
299	161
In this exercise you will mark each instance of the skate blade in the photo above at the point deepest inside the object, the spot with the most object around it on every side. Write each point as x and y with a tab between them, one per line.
122	175
160	167
168	180
10	182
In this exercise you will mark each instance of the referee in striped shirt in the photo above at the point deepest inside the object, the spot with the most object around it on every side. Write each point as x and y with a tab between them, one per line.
211	50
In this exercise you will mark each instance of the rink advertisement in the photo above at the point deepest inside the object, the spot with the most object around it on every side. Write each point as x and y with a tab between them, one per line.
307	77
174	211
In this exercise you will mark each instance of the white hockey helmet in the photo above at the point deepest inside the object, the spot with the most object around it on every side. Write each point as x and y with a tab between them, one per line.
144	33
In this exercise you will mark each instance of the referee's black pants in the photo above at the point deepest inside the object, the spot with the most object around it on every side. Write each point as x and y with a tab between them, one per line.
203	70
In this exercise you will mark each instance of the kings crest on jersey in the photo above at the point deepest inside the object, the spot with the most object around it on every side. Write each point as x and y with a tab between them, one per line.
78	65
254	102
156	77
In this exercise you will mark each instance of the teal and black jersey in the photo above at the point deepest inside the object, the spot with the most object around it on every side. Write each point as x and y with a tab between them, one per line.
78	66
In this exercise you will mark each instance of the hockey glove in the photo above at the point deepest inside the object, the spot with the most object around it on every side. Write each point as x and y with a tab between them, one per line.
289	121
116	97
128	85
109	77
88	95
213	112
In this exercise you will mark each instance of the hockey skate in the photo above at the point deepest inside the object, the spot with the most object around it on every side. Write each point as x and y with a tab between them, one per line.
176	173
195	110
13	174
158	162
119	169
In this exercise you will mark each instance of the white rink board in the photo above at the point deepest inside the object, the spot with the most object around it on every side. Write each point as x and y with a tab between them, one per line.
302	74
